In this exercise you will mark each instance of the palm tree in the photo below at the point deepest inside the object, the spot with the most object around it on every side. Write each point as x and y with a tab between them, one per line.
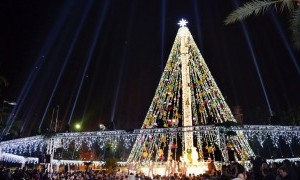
257	7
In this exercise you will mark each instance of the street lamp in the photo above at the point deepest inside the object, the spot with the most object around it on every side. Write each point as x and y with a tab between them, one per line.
102	127
77	126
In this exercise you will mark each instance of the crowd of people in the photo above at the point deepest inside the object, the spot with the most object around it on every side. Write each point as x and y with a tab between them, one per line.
260	170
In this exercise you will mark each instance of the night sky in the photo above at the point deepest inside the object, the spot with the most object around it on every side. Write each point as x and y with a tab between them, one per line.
101	61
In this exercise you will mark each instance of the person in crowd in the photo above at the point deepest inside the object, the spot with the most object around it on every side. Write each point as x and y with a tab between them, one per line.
297	168
283	174
291	170
238	171
7	175
267	174
256	165
35	175
211	168
131	176
273	168
225	175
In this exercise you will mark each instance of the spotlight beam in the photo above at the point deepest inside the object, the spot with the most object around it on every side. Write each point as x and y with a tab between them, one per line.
124	53
285	42
94	42
36	68
70	50
252	53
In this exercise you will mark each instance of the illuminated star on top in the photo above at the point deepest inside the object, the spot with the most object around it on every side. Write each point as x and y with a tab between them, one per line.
182	22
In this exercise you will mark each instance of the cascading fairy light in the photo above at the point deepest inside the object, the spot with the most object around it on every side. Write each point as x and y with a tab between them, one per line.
207	133
22	145
17	159
261	138
288	138
128	141
274	138
90	141
261	133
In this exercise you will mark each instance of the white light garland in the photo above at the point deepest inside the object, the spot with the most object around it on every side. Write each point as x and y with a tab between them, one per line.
17	159
12	148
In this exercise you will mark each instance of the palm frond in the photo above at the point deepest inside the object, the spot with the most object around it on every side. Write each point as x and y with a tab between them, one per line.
3	81
254	7
295	28
289	4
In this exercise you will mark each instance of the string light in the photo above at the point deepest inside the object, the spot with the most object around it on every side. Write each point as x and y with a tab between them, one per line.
11	149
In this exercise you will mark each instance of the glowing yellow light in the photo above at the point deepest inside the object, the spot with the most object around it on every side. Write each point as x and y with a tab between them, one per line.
77	126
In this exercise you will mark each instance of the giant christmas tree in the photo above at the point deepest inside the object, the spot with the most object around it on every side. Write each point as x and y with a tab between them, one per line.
187	104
